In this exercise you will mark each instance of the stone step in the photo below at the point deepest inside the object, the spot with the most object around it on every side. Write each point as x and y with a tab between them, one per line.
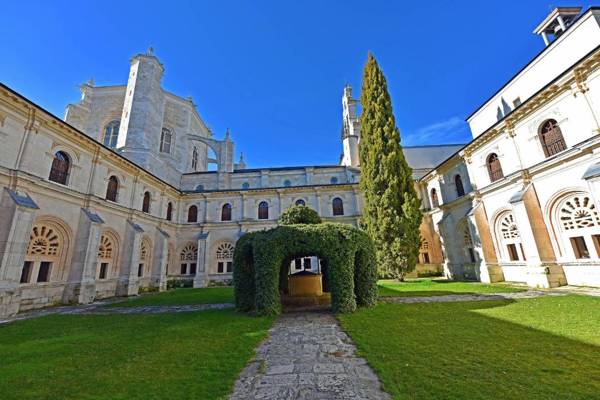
296	303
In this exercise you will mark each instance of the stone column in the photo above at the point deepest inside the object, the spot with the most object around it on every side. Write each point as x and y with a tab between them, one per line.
160	259
81	286
128	280
17	215
201	278
548	273
489	270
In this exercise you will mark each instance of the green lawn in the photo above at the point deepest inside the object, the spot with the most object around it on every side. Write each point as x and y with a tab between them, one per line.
544	348
180	355
438	287
180	296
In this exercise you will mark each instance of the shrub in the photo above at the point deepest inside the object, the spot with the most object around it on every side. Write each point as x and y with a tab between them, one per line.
261	260
299	215
221	283
147	289
180	283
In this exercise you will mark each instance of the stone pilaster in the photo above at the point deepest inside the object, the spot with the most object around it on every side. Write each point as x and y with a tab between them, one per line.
201	278
489	270
547	273
81	286
317	204
160	260
17	215
128	284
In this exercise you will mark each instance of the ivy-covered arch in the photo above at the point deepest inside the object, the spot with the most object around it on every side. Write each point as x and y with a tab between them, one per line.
346	251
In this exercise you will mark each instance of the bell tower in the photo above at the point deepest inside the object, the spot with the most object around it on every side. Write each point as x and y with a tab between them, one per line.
556	23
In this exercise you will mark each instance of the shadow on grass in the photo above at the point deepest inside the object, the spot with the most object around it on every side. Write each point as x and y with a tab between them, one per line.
545	348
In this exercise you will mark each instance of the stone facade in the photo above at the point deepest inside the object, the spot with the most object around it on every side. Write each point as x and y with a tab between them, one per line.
119	198
132	210
527	211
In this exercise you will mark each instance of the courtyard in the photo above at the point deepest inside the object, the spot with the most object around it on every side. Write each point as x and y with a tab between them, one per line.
485	341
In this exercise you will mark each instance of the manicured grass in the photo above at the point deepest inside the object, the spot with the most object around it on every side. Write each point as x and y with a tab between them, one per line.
179	297
168	356
544	348
438	287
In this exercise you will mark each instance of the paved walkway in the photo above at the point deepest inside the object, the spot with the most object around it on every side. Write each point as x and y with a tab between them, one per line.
307	356
100	309
530	294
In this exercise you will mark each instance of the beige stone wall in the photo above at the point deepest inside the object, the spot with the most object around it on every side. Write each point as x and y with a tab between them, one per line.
30	138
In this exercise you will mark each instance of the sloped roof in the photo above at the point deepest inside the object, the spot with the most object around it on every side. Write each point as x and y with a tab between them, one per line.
423	159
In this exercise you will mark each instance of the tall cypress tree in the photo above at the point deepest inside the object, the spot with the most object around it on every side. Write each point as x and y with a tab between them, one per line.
391	214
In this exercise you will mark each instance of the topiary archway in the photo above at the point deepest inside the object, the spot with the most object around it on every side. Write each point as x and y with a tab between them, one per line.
347	251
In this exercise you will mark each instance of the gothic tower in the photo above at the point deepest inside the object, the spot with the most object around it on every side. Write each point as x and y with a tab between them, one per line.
142	118
350	129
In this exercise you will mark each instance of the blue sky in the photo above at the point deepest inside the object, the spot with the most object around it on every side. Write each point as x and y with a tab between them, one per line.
273	71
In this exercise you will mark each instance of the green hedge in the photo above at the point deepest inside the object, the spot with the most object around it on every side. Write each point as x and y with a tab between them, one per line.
261	260
299	215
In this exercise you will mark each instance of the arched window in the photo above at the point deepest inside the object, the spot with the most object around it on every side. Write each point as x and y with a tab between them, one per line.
145	247
192	214
189	259
468	245
263	210
509	238
111	134
579	224
494	167
287	183
434	198
194	159
338	206
245	185
44	254
226	212
300	202
169	211
333	180
146	202
424	252
551	138
225	258
61	165
106	256
200	188
166	137
460	189
112	188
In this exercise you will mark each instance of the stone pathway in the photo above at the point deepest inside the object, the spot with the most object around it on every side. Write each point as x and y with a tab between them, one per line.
307	356
530	294
582	290
99	309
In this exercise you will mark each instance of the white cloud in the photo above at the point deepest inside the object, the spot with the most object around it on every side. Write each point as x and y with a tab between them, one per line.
452	130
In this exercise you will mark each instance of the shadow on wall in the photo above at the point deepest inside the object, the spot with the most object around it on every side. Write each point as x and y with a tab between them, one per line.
461	261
